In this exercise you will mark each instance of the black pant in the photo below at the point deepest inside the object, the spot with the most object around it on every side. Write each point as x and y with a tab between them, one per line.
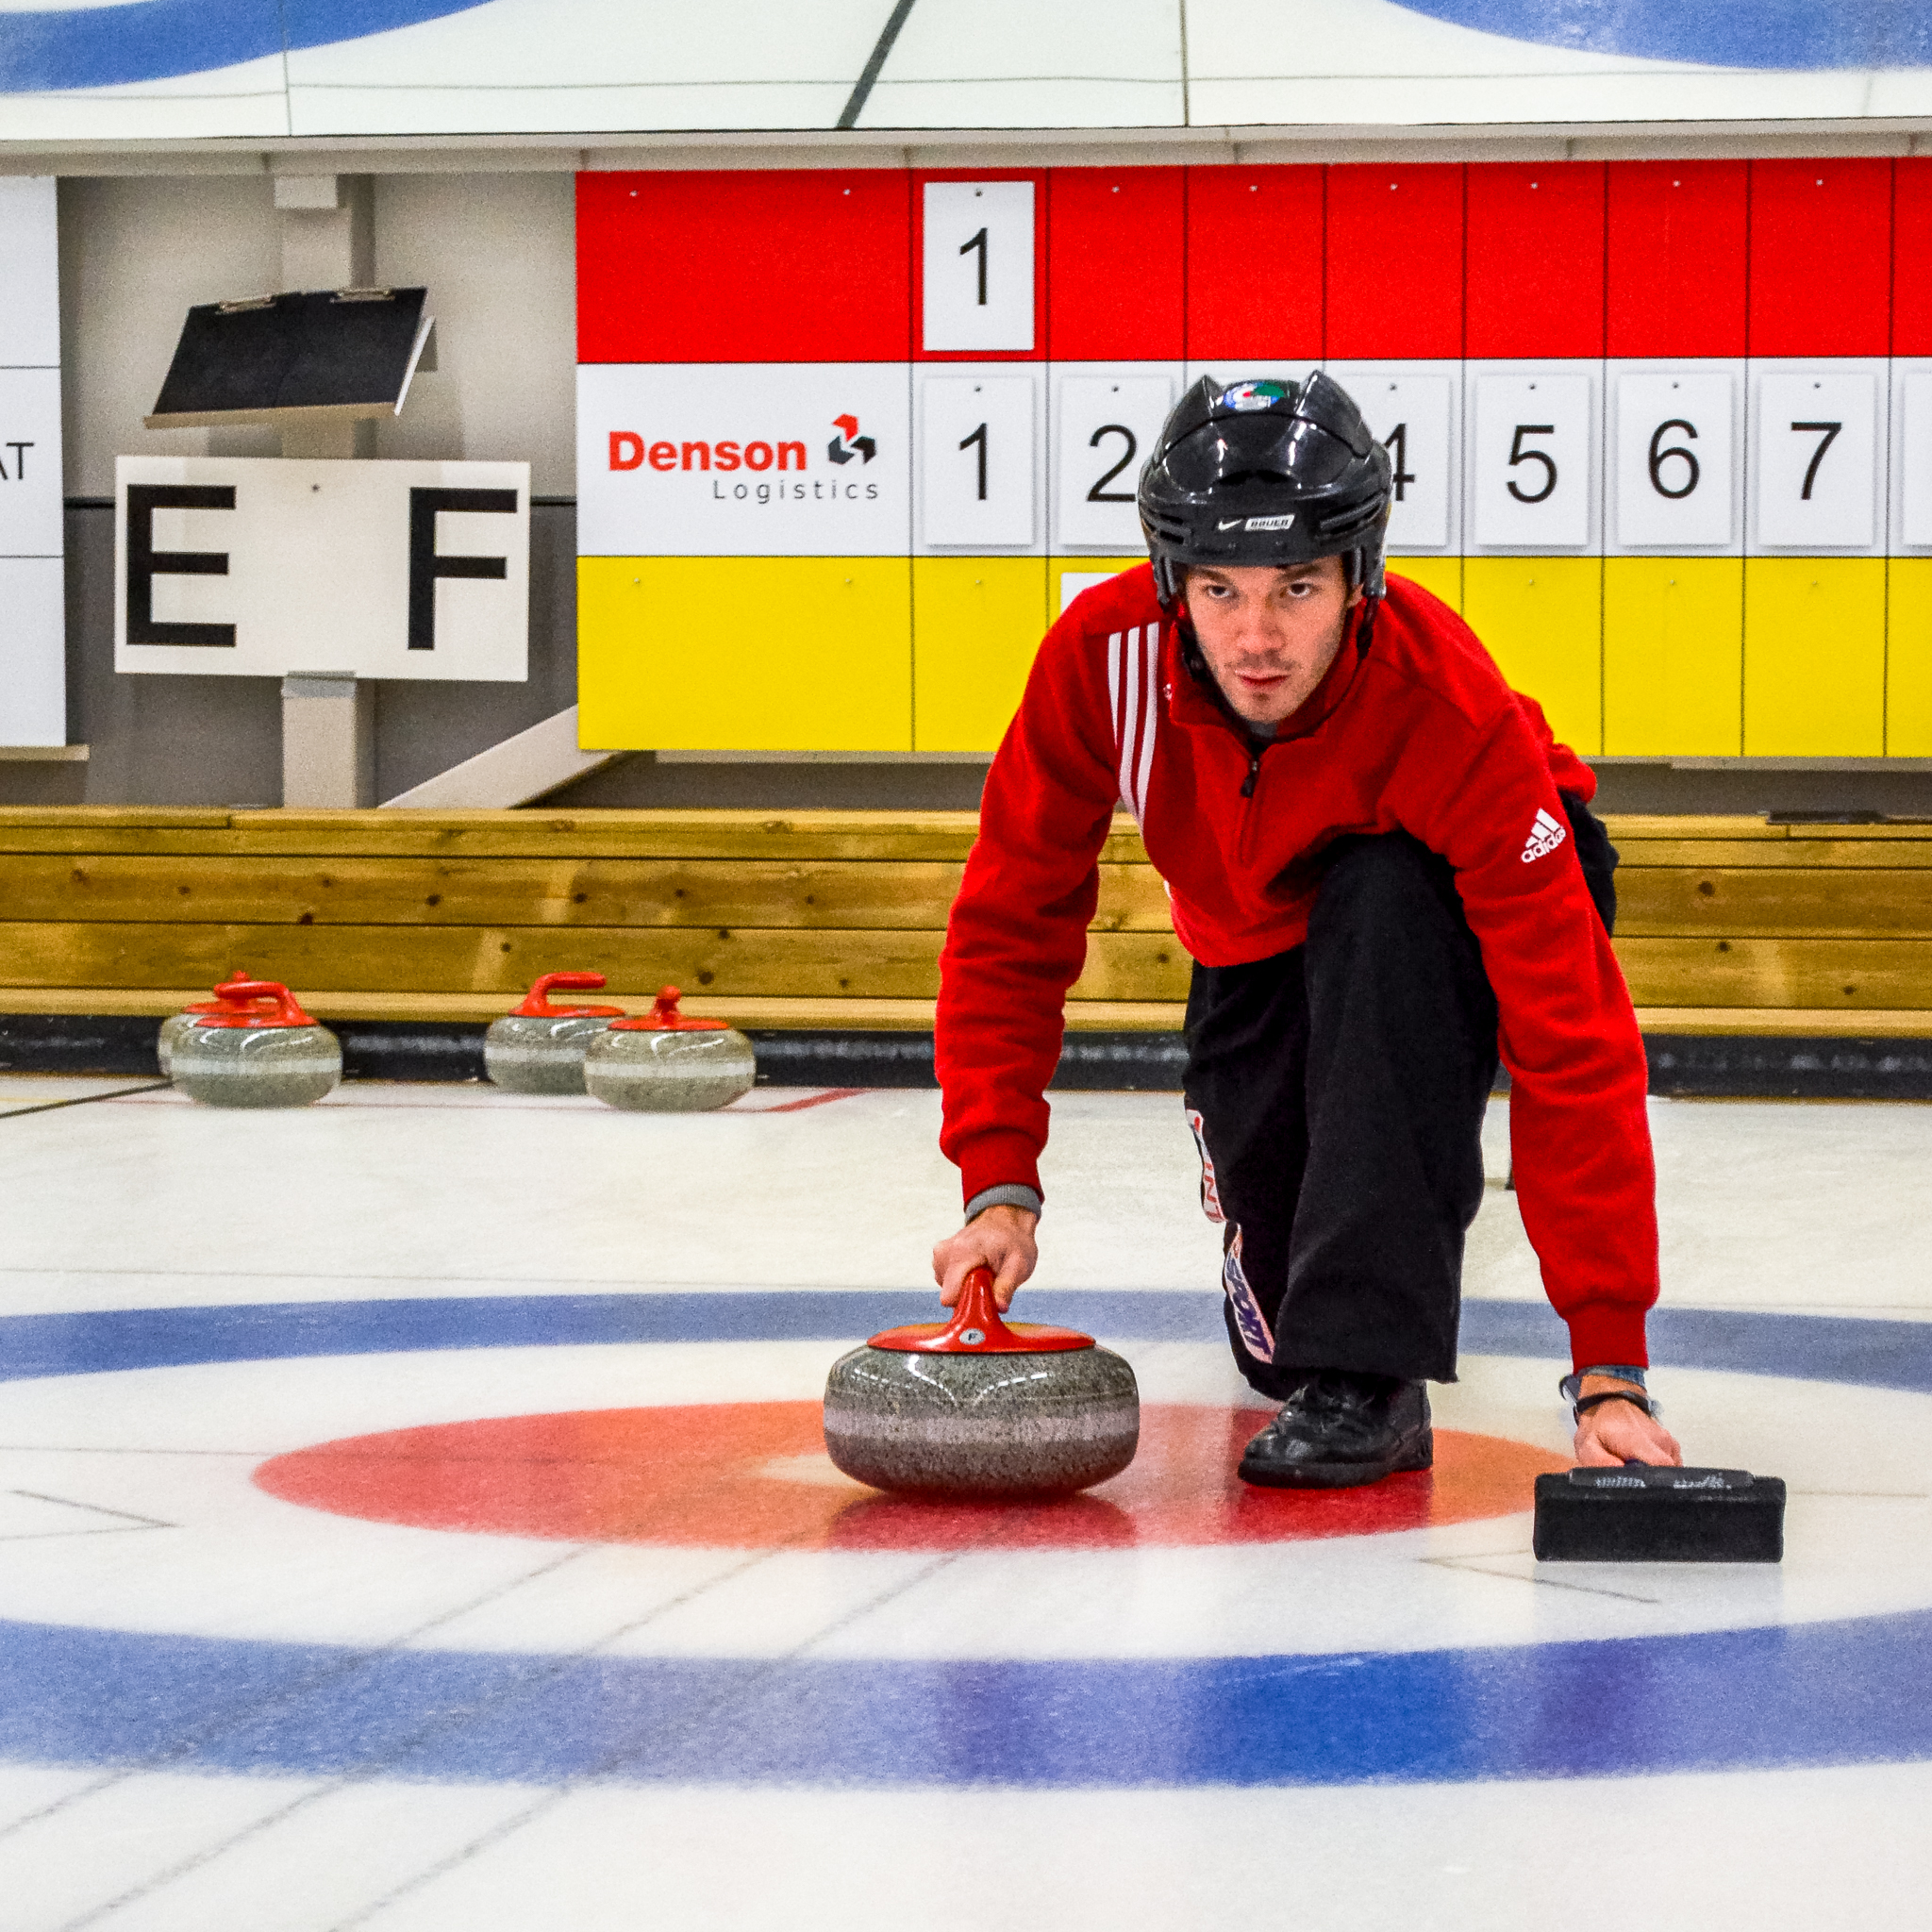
1337	1092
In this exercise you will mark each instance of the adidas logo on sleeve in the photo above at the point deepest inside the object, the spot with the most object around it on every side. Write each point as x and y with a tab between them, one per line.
1545	835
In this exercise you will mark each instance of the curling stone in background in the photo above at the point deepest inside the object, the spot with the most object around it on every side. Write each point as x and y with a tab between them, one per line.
665	1063
540	1048
175	1025
975	1408
261	1051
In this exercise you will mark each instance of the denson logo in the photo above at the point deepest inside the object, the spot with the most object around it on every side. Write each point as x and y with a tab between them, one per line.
630	450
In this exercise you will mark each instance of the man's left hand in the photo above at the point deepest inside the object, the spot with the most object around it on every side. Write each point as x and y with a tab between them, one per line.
1616	1432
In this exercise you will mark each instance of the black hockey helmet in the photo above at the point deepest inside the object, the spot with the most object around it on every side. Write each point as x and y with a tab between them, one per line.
1265	472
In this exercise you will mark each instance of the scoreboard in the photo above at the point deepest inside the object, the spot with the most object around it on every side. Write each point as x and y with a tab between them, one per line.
848	438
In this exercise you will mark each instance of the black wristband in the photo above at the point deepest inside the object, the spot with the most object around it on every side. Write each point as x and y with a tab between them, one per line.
1583	1407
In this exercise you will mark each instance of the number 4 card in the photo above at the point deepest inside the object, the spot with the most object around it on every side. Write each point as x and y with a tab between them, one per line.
1412	415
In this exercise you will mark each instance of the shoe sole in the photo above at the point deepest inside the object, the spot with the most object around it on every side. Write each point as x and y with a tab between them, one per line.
1341	1476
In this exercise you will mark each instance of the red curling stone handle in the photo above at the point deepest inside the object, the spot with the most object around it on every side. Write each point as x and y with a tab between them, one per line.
976	1328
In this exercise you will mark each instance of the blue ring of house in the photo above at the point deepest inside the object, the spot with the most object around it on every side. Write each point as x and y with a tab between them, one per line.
1782	1696
1779	35
156	39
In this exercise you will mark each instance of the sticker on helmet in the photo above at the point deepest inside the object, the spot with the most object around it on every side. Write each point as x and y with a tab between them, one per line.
1254	395
1272	523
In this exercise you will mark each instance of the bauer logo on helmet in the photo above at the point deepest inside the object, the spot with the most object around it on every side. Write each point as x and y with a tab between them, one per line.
1282	523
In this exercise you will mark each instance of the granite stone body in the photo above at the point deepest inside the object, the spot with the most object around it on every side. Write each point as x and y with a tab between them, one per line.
1007	1424
173	1028
670	1072
532	1053
256	1066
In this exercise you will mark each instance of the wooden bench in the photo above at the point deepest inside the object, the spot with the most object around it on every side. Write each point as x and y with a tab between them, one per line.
834	918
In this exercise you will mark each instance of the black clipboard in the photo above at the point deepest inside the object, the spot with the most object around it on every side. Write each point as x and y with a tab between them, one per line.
342	353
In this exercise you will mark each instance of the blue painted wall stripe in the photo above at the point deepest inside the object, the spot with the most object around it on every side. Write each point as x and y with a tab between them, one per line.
1777	34
156	39
1880	1355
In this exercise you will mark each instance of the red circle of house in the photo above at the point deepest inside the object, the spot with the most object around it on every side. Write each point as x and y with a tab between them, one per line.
755	1475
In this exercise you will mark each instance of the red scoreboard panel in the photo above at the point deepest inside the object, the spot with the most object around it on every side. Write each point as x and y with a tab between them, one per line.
1536	261
1253	274
767	265
1114	253
1821	258
849	437
1676	257
1392	267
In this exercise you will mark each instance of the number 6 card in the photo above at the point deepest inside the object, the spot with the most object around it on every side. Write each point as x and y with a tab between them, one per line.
1674	462
1529	471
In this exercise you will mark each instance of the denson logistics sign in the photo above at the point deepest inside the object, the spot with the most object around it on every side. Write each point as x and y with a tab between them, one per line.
722	460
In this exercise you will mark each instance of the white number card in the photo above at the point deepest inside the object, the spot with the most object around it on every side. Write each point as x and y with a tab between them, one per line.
1816	460
976	465
977	265
1530	470
1914	460
1108	426
1674	463
1411	417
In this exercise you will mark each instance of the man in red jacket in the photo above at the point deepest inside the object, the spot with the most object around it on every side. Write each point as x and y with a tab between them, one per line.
1387	873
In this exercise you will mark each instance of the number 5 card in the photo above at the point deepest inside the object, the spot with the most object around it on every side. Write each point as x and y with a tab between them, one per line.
1531	460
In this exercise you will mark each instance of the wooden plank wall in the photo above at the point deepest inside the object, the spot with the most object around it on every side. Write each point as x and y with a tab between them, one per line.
834	918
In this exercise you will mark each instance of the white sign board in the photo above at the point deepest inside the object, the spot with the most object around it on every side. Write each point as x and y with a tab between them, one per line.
33	596
1817	460
1108	426
1914	460
743	460
1530	466
976	266
1675	461
975	470
1412	415
254	567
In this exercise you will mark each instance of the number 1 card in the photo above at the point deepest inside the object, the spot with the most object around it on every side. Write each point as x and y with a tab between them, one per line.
976	262
976	464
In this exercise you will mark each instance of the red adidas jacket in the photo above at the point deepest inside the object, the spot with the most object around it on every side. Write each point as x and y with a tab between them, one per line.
1418	734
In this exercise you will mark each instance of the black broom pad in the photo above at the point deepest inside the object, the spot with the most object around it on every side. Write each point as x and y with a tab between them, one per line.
1645	1513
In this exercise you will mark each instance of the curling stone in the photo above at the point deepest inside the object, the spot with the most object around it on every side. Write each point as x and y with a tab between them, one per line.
175	1025
263	1050
973	1408
665	1063
540	1048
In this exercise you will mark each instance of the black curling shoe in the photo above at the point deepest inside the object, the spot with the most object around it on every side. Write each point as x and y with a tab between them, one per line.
1338	1429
